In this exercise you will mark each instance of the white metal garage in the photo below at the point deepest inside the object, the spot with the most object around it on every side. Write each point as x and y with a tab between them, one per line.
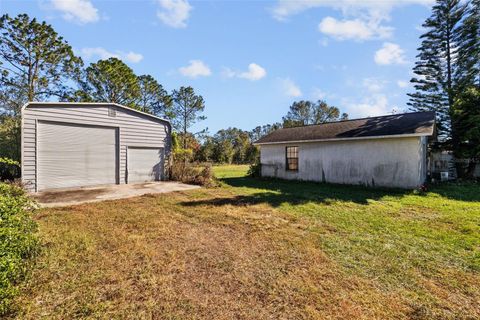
85	144
144	164
75	155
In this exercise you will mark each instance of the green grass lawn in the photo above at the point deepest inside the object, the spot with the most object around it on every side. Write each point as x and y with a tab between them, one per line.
230	171
405	242
258	249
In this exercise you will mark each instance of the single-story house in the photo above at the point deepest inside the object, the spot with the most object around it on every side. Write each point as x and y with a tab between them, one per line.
84	144
388	151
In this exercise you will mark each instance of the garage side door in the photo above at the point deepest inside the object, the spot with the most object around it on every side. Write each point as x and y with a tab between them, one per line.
74	155
144	164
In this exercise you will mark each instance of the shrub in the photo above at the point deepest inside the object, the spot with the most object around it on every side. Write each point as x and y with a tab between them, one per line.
255	169
206	177
18	241
182	168
188	172
9	169
182	171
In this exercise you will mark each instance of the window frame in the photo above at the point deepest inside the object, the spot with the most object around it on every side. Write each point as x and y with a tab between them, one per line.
289	156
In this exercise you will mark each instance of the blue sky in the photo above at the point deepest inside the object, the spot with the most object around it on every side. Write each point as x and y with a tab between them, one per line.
251	59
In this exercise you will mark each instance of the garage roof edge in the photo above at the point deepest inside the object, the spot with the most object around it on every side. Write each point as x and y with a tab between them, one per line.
93	104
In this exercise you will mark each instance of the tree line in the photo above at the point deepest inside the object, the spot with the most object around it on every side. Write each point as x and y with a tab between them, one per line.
446	80
233	145
37	64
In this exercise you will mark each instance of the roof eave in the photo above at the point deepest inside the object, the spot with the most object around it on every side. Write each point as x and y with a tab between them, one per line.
349	138
91	104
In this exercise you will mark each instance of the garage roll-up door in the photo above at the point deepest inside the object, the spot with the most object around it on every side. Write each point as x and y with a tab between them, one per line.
144	164
72	155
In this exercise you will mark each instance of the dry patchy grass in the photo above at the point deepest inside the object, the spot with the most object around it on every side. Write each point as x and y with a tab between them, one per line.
259	250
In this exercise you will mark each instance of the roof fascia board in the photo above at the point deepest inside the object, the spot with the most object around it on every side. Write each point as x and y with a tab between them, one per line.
351	138
91	104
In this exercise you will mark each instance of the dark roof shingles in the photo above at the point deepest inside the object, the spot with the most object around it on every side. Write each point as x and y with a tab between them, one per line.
397	124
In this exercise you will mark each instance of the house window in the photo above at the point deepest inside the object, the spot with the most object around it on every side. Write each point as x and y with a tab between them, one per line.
292	158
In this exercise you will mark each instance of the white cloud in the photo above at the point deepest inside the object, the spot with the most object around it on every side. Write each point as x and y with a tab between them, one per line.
133	57
402	84
319	94
255	72
102	53
375	105
354	29
174	13
290	88
195	69
373	84
361	20
286	8
80	11
91	53
390	53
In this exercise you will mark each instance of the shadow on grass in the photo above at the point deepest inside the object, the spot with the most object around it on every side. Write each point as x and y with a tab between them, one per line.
276	192
465	191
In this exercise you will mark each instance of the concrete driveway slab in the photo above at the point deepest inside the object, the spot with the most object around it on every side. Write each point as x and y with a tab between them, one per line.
70	196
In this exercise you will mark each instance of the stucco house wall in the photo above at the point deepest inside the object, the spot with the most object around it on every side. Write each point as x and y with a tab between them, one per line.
390	162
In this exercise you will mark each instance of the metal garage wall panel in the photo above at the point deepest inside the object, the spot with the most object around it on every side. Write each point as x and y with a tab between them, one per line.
75	155
145	164
135	129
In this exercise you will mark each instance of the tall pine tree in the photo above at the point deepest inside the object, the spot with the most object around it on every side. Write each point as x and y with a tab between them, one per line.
435	70
468	71
466	112
186	110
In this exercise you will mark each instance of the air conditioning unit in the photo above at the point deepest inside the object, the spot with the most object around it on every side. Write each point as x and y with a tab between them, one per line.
444	176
